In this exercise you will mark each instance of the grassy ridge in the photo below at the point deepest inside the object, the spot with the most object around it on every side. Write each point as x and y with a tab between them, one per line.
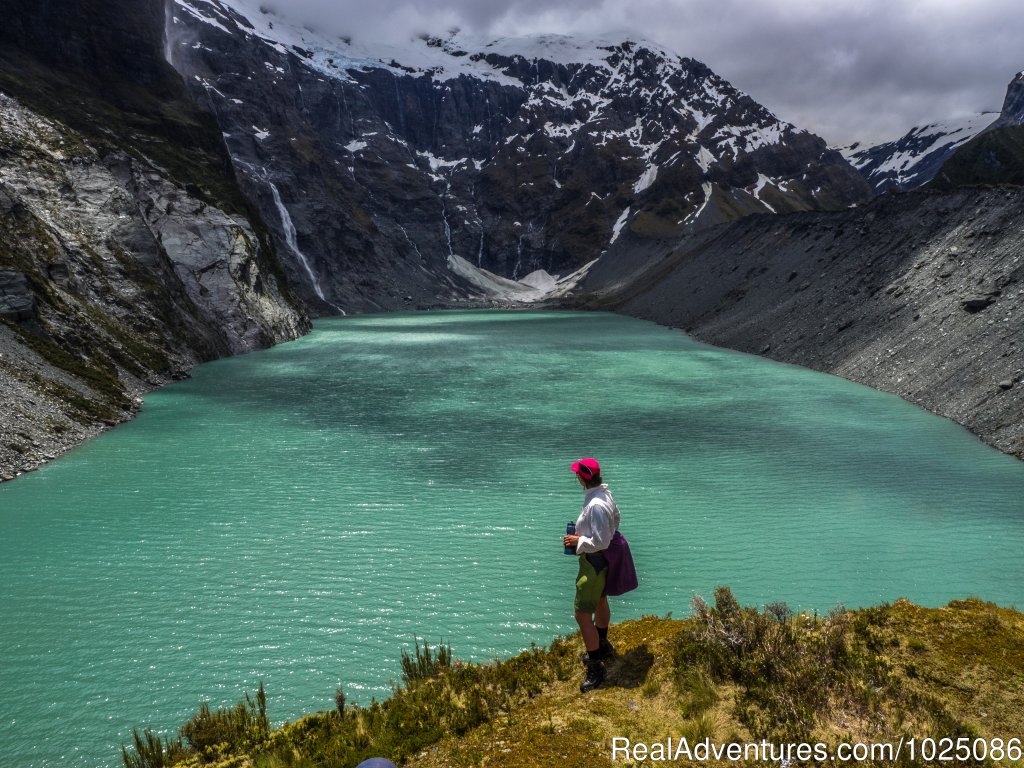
728	673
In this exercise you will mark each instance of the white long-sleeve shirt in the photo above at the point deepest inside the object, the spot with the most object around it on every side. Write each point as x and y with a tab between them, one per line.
598	521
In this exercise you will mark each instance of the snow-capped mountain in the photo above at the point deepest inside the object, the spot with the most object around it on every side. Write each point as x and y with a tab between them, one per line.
517	154
914	158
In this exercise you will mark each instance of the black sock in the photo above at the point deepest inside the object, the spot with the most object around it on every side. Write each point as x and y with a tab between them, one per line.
602	633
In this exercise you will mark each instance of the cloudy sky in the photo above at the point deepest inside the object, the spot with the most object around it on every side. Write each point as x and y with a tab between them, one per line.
859	70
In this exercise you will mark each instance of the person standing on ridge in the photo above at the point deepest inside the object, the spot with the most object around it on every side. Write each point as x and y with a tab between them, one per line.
596	525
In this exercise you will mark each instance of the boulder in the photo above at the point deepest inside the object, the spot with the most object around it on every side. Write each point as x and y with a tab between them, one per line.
977	303
17	302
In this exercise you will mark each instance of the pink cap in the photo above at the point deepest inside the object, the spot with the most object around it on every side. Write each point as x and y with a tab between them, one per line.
586	468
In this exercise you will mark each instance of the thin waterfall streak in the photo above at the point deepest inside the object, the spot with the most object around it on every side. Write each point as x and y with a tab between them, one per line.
444	216
410	241
292	240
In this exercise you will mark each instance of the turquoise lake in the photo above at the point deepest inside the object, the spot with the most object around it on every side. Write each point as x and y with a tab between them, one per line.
300	515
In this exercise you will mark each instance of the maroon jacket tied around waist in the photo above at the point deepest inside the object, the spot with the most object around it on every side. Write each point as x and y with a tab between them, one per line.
621	576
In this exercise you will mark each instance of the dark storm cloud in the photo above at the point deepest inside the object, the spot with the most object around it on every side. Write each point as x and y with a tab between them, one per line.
864	70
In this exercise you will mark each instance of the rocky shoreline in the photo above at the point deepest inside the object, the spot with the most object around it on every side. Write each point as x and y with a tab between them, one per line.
918	294
36	424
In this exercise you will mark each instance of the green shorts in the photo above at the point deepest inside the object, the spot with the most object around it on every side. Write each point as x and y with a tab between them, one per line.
589	586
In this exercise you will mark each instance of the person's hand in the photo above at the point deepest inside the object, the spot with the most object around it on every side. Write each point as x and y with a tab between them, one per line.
570	541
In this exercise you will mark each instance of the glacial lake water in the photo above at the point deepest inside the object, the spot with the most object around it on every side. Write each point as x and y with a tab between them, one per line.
300	515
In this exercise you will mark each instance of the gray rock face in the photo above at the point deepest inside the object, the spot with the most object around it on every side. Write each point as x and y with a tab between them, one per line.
516	155
890	289
17	301
128	281
100	37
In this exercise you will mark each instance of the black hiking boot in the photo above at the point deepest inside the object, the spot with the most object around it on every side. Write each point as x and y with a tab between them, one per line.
604	652
595	675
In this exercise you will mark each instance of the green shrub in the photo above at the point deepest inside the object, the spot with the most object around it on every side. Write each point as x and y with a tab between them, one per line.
698	728
917	645
441	697
788	666
284	757
424	664
151	752
228	731
651	688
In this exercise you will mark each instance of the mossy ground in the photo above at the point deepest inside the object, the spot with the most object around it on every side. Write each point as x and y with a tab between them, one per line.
728	673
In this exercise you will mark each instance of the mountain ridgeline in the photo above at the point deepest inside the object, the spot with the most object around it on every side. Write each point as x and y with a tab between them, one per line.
514	154
918	156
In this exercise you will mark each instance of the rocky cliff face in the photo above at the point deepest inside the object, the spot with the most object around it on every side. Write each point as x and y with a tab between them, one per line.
94	39
920	294
128	253
113	280
1013	105
99	68
376	167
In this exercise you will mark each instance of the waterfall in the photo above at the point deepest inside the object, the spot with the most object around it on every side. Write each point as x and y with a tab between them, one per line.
292	239
444	215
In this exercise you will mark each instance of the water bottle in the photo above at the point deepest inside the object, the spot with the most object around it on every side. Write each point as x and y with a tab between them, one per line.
570	530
